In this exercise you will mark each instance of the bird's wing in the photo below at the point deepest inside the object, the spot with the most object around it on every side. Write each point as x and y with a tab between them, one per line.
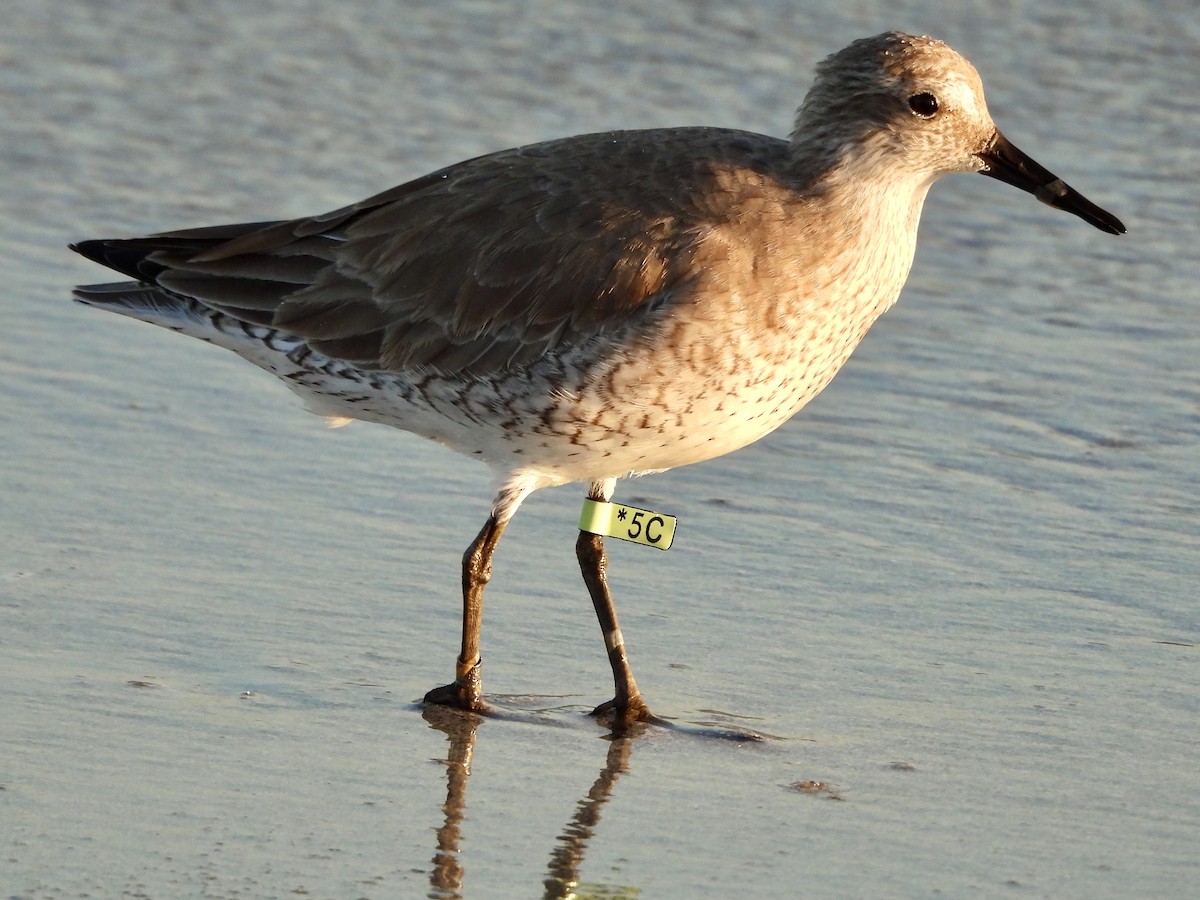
479	267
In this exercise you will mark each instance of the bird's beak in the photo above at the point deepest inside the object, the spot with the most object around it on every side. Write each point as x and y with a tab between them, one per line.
1003	161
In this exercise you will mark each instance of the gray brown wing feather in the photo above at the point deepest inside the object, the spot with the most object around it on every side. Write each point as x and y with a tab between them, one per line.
482	266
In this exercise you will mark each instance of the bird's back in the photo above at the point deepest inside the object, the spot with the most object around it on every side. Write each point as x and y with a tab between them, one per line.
645	299
484	265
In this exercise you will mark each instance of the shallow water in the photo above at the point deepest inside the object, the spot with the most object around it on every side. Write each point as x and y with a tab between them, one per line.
957	592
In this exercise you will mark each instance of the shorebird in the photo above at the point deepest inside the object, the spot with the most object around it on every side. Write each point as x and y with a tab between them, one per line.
600	306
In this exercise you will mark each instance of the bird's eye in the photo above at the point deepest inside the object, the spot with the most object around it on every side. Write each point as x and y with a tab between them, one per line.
924	105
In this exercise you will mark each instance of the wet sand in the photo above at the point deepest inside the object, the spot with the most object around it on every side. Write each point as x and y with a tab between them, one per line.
957	594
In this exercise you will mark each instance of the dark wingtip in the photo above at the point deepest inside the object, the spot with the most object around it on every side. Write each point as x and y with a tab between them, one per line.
125	256
93	250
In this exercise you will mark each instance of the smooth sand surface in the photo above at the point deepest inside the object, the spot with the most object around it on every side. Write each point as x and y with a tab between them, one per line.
958	592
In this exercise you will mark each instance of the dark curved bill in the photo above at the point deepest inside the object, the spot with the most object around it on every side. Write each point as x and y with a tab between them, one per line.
1006	163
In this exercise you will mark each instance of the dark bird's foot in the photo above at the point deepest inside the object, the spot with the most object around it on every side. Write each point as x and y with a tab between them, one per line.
621	715
465	692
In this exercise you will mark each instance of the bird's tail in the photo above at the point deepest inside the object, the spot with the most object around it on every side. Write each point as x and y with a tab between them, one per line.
245	329
147	303
260	344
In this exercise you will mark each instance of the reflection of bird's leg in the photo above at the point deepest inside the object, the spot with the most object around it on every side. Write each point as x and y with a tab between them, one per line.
446	877
567	857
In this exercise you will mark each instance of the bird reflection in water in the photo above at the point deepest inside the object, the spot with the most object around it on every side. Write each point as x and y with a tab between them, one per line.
446	877
562	877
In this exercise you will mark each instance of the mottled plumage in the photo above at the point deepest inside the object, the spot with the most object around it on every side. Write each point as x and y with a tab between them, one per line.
601	305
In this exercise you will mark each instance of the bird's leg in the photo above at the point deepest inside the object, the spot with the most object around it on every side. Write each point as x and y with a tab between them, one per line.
466	691
627	706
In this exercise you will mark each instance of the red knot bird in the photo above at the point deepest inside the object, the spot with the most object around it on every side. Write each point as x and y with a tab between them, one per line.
599	306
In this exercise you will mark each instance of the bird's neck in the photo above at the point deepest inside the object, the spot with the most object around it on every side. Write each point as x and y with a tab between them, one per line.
870	213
